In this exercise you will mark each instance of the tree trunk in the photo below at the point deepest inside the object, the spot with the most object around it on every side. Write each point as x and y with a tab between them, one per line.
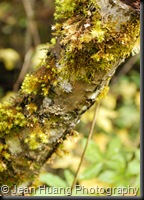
93	37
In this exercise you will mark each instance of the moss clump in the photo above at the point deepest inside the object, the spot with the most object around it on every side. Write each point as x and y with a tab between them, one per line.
31	108
10	119
4	156
39	83
65	9
37	137
30	84
91	39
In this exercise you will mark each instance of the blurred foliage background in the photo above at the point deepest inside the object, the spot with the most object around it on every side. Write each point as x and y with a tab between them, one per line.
113	155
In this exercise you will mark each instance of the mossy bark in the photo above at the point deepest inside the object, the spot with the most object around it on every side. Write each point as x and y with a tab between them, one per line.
92	38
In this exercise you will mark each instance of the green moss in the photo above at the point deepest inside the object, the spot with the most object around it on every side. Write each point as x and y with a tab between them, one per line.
11	121
31	107
37	137
65	9
30	84
4	155
10	118
91	41
39	83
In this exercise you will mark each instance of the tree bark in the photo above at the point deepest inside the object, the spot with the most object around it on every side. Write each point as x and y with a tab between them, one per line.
93	37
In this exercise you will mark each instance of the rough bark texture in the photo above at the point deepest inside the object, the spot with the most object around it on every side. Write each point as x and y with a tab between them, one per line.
93	38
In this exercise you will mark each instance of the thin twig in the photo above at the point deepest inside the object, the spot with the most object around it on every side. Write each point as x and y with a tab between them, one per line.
31	20
24	69
88	139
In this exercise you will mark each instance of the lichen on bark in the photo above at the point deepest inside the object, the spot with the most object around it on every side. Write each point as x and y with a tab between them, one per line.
92	38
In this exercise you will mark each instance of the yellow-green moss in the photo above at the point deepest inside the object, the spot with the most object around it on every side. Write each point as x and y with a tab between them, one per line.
31	107
4	155
37	137
65	9
30	84
11	121
10	118
92	42
102	94
38	83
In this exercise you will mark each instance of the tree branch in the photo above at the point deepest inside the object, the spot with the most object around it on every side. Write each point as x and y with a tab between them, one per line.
93	38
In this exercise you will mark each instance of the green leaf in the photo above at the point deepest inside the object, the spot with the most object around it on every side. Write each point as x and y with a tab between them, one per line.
137	182
128	155
128	116
137	153
93	153
108	176
69	177
52	180
113	147
134	167
91	171
116	162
